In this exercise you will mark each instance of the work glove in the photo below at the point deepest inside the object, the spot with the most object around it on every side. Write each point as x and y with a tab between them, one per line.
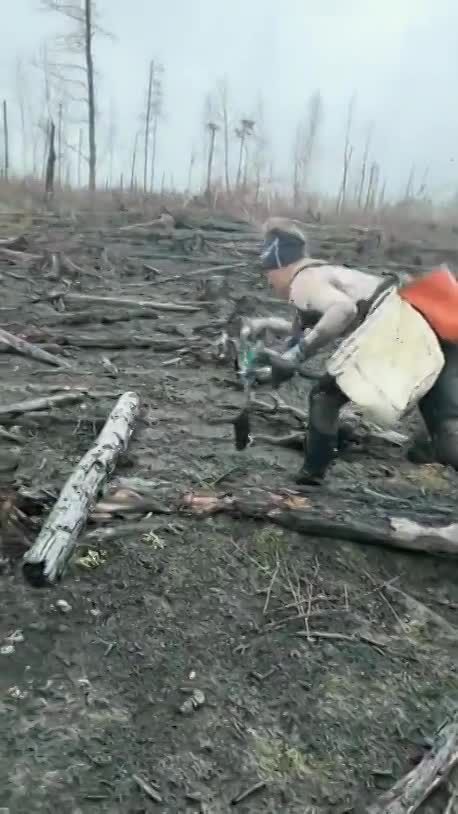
285	365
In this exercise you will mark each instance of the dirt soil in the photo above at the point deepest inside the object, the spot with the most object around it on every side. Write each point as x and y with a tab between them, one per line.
185	655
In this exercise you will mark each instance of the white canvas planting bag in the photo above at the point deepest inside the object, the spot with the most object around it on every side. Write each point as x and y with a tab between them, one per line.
389	362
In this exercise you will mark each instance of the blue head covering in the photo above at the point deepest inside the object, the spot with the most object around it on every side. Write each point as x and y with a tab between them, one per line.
284	243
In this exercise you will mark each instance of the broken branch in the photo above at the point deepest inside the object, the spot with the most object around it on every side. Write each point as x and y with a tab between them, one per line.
407	795
298	513
126	301
18	256
26	349
9	411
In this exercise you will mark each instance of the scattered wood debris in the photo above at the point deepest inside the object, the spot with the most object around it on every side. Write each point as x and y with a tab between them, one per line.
407	795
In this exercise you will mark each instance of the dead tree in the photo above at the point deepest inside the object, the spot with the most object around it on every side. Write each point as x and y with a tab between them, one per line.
421	192
212	128
224	102
297	165
88	35
381	197
6	159
315	113
112	133
59	145
156	111
192	161
80	155
372	186
51	162
134	161
362	179
305	142
21	96
410	184
148	125
261	144
80	42
347	156
243	133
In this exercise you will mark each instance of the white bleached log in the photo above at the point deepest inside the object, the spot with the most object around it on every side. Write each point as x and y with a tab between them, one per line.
408	794
46	560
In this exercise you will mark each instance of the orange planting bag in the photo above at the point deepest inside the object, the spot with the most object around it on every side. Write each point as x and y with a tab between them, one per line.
435	296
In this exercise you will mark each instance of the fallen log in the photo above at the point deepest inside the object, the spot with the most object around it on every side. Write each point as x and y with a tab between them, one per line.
83	317
18	256
162	226
119	342
204	271
26	349
9	411
408	794
16	244
45	562
298	514
9	436
295	512
127	301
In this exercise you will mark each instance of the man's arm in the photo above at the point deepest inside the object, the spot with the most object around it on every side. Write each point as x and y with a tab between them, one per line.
338	313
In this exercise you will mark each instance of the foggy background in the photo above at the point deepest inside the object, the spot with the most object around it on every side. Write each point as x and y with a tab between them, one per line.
399	59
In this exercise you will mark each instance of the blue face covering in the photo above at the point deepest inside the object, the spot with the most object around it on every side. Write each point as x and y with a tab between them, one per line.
280	251
270	258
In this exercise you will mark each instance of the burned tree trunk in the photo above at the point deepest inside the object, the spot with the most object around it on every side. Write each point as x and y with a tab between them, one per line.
212	128
134	160
80	154
6	140
51	162
347	157
362	179
147	126
90	92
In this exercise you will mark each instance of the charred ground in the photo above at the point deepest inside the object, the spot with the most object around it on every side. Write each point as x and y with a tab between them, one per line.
186	656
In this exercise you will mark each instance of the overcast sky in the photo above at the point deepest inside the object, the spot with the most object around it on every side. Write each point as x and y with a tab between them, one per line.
400	58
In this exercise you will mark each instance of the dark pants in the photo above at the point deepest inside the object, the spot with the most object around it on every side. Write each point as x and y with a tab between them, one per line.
439	409
325	403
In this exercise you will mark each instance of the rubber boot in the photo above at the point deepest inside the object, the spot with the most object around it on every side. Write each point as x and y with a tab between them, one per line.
325	402
319	453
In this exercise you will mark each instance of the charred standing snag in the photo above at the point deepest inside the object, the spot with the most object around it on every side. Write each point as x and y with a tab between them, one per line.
45	562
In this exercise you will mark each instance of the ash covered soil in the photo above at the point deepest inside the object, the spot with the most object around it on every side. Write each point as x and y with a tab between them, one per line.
185	654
